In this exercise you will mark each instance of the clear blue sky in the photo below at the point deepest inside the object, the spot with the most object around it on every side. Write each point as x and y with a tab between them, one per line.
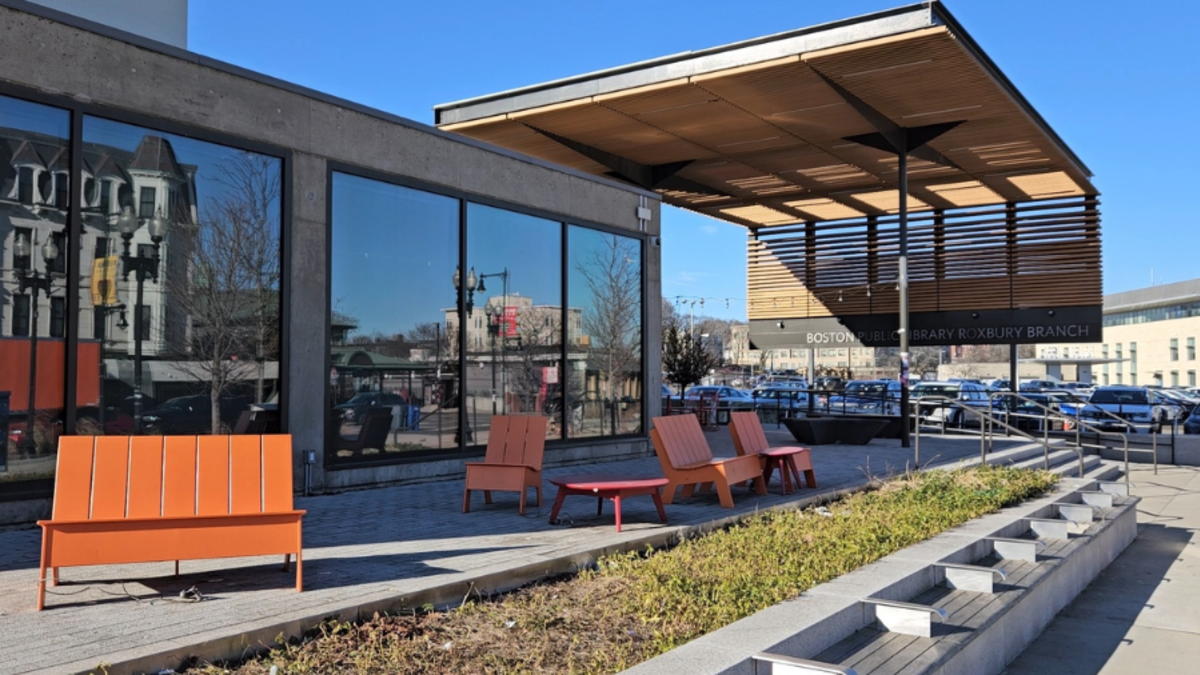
1118	81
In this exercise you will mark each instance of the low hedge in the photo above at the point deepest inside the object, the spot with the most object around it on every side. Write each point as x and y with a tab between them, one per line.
635	606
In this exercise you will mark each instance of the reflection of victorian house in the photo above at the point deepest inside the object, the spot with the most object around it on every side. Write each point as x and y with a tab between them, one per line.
34	196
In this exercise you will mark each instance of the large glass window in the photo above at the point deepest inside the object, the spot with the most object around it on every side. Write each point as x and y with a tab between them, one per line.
33	144
187	330
394	318
1174	349
604	333
515	321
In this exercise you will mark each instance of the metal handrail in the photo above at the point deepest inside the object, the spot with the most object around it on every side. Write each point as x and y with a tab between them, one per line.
1079	423
942	402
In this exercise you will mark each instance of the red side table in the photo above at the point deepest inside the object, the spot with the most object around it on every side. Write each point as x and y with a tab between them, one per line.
612	487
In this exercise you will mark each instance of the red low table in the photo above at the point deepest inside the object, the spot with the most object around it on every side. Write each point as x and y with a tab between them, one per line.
603	487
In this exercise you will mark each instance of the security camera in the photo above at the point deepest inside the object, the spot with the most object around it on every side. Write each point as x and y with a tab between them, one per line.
656	241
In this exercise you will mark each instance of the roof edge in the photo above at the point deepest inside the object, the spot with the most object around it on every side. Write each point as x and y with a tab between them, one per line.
920	11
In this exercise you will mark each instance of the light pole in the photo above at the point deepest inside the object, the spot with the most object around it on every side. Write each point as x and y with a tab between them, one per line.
28	280
145	267
463	427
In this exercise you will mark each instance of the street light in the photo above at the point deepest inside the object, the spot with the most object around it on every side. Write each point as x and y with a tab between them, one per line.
463	430
28	280
145	267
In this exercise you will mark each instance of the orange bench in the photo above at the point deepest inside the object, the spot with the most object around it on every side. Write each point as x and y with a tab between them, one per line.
128	499
688	462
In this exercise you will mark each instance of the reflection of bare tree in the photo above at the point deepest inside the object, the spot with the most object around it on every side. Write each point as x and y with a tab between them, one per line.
230	294
613	326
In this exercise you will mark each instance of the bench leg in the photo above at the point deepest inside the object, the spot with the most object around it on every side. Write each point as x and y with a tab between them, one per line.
599	506
466	501
176	568
617	508
287	561
299	571
810	478
487	497
658	504
53	576
726	497
538	489
668	493
520	503
559	498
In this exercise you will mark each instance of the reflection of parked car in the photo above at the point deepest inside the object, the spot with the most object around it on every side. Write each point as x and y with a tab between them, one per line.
192	415
355	409
829	383
116	421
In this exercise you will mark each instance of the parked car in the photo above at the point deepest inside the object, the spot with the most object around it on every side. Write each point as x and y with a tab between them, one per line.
999	385
1192	424
969	394
786	398
1133	404
1040	385
354	410
829	383
725	395
877	397
192	414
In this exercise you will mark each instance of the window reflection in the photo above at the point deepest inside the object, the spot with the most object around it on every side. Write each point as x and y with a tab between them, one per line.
515	319
34	156
605	344
395	354
181	292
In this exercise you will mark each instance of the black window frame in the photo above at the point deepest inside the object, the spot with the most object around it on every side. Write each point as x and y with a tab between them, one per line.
20	315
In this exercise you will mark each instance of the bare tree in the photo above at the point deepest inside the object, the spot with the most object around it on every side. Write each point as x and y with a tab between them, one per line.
613	324
230	292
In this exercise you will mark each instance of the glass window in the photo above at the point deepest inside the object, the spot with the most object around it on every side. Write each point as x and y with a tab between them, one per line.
1191	349
20	316
1191	374
518	261
394	320
1132	359
62	190
1174	378
186	336
146	203
58	316
1174	349
604	333
33	144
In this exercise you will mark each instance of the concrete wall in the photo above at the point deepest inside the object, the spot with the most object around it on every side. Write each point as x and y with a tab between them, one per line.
177	86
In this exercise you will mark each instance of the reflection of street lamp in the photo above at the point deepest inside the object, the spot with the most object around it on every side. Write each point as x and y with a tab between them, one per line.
146	267
463	430
493	327
29	280
494	331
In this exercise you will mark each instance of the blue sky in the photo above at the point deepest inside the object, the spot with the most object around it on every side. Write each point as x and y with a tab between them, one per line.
1118	81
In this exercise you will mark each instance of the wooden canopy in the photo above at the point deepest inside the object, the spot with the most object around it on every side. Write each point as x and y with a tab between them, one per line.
774	132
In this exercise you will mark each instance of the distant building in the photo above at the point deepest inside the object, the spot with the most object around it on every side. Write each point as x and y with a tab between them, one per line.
1150	338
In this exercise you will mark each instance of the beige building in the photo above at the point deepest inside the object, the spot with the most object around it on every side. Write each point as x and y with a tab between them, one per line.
1150	338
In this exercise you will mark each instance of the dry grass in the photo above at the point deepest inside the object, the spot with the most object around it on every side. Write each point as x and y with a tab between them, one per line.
636	606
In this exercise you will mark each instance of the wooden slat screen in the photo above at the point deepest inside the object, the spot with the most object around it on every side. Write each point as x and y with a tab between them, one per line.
1042	253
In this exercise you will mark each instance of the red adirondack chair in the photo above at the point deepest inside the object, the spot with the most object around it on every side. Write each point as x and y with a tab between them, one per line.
513	461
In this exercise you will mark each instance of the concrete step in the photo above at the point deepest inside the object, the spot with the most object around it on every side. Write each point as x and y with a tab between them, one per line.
1021	453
